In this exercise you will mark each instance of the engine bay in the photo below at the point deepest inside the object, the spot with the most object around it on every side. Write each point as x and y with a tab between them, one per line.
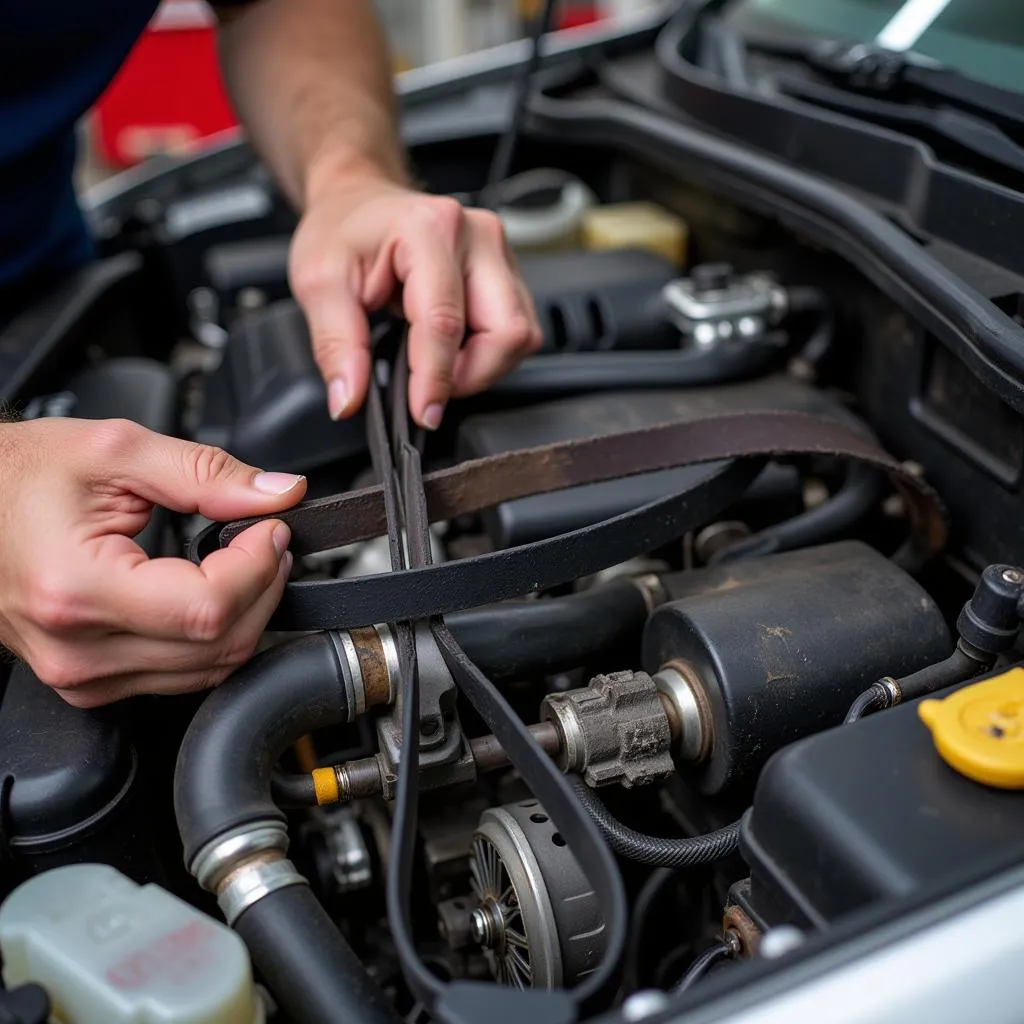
672	726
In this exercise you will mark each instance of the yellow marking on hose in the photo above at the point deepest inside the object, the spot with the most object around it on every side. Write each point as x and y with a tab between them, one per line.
325	784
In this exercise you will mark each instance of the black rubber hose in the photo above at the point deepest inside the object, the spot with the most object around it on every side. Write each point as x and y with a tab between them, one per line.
575	373
524	638
861	491
222	779
957	668
293	790
703	964
874	698
306	963
667	853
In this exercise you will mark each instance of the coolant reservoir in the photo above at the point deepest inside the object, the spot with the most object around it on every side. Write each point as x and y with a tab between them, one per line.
636	225
109	951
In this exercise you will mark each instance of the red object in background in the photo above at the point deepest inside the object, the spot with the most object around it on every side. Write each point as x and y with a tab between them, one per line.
168	95
572	15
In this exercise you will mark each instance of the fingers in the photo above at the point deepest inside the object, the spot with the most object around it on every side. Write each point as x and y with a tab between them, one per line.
172	599
115	667
429	261
339	333
499	309
185	476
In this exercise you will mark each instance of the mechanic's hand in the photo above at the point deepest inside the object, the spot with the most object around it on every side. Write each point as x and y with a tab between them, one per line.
359	244
82	604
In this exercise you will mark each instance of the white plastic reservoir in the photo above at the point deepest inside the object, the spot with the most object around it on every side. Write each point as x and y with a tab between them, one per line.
109	951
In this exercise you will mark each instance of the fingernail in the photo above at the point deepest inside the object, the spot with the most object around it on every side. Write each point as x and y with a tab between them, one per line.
288	561
337	397
276	483
432	416
280	538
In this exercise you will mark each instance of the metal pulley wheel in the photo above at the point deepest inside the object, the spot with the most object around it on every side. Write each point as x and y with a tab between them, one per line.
537	917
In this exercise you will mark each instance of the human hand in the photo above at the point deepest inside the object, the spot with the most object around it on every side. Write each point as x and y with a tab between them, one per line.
361	242
82	604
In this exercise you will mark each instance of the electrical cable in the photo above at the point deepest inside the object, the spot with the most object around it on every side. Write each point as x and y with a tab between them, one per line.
700	967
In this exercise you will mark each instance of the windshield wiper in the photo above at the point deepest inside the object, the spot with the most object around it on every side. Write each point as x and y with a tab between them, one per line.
907	93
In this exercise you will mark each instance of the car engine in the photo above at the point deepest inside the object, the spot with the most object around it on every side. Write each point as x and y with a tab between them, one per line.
683	650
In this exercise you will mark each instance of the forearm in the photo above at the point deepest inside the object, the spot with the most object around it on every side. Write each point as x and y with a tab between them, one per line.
311	82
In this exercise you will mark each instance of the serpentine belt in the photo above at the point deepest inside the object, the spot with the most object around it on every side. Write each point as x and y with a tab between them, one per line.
742	441
406	500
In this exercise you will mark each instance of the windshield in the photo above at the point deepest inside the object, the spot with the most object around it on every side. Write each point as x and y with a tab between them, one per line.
981	38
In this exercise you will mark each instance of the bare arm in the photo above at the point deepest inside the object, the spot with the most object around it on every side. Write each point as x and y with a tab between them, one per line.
311	81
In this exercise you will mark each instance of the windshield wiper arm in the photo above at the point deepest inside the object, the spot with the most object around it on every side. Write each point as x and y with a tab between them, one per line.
904	78
979	137
907	93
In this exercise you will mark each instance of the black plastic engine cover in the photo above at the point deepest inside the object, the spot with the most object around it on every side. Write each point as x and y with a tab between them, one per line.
267	404
141	390
601	300
68	786
529	519
870	812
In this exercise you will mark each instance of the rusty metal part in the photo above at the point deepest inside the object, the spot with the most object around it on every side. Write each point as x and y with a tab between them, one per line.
490	755
613	731
374	664
360	779
738	923
372	776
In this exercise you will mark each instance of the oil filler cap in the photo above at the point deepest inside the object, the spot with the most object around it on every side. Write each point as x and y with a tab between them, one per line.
979	730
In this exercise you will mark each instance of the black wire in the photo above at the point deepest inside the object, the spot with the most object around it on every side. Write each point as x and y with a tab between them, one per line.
701	966
645	900
501	164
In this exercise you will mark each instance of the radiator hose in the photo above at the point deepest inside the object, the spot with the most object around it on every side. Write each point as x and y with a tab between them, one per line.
235	837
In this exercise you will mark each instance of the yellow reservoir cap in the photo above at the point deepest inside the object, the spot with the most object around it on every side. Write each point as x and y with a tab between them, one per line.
979	730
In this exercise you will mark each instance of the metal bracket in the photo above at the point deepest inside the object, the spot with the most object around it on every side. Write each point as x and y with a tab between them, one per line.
445	756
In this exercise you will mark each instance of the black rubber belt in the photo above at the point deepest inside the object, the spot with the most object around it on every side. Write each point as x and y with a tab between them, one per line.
425	591
743	441
460	1002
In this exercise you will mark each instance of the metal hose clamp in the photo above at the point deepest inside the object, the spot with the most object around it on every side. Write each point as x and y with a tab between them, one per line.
244	865
355	688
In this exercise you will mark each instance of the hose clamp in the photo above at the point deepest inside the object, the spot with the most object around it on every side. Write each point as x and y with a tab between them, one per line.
219	857
252	882
355	688
890	689
390	649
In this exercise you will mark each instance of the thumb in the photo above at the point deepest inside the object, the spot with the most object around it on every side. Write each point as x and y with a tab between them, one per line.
188	477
